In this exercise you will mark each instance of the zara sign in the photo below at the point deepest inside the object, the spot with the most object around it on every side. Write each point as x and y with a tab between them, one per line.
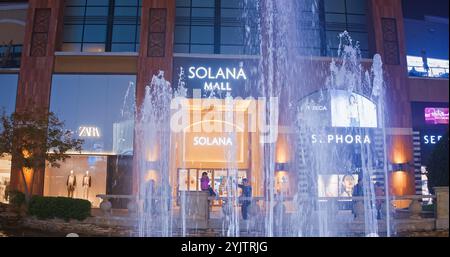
89	132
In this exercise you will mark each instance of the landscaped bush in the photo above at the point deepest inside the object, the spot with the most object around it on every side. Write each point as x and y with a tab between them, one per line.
59	207
16	198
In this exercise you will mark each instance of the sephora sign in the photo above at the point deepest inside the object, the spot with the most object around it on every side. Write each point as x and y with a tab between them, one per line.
346	121
341	139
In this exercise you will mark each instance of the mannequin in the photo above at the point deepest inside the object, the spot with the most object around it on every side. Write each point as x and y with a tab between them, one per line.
71	184
86	185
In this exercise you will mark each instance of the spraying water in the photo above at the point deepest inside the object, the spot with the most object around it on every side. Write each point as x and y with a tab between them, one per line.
315	142
153	129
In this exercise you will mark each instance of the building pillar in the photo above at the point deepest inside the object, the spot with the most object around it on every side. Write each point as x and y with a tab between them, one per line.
156	53
44	22
387	37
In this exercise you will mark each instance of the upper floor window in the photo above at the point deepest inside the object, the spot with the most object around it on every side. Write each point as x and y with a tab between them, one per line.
349	15
231	26
102	25
422	66
13	18
215	27
10	55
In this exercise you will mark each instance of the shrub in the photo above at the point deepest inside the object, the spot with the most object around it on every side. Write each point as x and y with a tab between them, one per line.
438	166
16	198
59	207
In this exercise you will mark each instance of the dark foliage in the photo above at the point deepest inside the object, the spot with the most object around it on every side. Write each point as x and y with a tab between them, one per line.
59	207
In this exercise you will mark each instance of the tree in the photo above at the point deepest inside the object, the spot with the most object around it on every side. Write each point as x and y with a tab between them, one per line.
437	165
35	138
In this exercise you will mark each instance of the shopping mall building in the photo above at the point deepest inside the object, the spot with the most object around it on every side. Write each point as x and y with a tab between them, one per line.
87	60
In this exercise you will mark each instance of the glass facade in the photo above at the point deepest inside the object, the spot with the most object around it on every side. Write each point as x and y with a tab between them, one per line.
102	25
87	174
10	55
349	15
8	87
215	27
99	109
13	18
231	26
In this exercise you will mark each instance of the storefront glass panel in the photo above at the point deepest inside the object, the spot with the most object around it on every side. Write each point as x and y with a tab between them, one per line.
99	109
190	180
8	86
5	171
430	124
81	177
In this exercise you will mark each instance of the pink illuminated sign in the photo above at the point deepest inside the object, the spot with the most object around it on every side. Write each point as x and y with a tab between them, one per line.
436	116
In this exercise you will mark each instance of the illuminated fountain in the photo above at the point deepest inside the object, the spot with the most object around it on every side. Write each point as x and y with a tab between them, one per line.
335	131
328	140
153	128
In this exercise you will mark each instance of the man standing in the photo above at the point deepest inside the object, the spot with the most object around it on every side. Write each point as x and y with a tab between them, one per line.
425	62
246	194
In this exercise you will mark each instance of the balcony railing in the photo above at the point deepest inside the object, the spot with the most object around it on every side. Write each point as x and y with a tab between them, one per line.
433	72
427	67
10	56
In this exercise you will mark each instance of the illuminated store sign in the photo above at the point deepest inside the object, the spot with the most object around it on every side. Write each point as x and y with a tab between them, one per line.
431	139
340	139
215	77
436	116
89	132
212	141
348	123
338	109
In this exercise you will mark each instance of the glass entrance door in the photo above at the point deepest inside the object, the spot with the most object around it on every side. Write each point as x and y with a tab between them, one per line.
189	180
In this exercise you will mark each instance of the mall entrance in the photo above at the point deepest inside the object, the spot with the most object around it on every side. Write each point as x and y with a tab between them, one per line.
216	152
190	179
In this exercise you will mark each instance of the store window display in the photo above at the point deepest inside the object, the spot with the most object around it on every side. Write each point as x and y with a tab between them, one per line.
81	177
86	185
71	184
99	109
4	190
5	173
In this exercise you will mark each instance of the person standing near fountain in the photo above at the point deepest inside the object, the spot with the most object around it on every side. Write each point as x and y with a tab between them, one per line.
246	194
358	191
379	192
150	196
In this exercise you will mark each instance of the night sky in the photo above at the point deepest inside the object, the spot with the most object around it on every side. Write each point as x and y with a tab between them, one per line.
417	9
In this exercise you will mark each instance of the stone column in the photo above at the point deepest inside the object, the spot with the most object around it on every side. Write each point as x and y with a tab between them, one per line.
156	53
387	38
43	26
441	208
